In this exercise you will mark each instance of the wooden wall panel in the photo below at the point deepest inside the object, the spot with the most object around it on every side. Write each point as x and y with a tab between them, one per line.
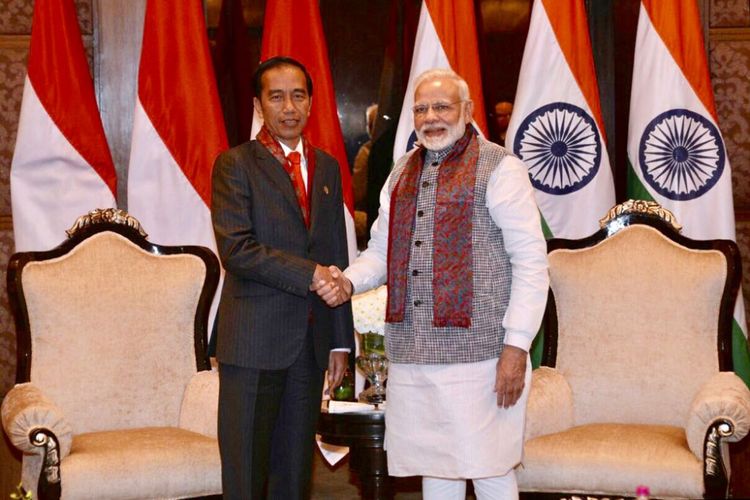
730	75
13	53
15	16
729	13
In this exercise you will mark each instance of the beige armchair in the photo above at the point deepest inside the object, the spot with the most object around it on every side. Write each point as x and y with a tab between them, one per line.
637	385
115	397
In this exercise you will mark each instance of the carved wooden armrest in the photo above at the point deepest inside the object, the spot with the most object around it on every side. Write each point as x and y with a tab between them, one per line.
550	406
725	401
720	412
200	404
36	426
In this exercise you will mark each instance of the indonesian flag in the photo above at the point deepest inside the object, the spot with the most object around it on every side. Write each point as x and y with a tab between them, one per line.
446	38
178	128
556	127
61	167
293	28
675	149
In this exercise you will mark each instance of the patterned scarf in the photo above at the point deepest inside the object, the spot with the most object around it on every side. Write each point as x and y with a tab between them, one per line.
452	260
272	145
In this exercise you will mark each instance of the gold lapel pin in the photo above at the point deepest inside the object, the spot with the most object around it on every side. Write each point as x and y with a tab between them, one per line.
325	189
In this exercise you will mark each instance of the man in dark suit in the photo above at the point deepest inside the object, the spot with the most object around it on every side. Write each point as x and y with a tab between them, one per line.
278	217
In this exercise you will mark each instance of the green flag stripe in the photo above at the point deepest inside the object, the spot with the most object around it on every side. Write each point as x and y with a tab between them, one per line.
537	347
635	189
740	354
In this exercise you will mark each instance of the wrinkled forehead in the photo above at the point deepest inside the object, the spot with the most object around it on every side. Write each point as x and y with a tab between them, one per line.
437	89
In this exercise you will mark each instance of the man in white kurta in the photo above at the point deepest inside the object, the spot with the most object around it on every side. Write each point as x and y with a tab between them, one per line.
458	238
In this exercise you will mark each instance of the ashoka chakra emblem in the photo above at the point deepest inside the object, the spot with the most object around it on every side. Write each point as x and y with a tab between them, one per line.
560	145
681	154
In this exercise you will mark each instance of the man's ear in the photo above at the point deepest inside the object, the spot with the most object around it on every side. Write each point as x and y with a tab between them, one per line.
310	106
256	108
469	111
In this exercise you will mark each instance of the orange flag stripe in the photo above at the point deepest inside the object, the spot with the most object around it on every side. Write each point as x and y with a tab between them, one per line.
678	24
570	25
456	26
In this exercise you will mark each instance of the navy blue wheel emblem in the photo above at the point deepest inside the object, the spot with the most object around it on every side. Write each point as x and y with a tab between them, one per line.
681	154
410	142
560	145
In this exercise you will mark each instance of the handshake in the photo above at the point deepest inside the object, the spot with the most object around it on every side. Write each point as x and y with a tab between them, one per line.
331	285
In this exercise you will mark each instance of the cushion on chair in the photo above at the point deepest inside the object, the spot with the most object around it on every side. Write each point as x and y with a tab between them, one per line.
25	409
612	459
141	323
550	405
134	463
200	406
637	318
724	396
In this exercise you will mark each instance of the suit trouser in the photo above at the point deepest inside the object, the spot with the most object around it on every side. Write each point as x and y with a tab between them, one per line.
267	422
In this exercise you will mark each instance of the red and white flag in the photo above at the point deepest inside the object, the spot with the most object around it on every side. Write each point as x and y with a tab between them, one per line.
61	167
293	28
446	38
178	128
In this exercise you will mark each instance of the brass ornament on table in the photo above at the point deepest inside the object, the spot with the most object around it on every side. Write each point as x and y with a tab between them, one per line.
640	207
99	215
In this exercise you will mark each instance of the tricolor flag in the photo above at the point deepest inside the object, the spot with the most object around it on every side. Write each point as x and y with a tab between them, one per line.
61	167
446	38
556	126
675	149
178	128
293	28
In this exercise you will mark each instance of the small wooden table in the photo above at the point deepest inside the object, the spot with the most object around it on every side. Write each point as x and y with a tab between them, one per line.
363	433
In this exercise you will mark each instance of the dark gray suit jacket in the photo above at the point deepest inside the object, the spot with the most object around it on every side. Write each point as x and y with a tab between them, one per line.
269	257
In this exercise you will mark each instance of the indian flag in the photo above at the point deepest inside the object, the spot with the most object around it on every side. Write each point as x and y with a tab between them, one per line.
446	38
556	127
676	152
61	167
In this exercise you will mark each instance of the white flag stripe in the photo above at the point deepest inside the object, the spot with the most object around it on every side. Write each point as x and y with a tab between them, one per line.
546	78
51	186
166	205
428	54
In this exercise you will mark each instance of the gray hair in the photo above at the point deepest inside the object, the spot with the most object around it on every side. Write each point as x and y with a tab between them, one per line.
434	74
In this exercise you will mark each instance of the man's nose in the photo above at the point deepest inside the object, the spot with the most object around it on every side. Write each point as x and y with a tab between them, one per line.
288	104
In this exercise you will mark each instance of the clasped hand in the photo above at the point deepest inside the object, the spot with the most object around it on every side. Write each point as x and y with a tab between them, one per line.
331	285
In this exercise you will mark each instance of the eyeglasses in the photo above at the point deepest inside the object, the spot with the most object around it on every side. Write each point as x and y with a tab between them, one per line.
439	108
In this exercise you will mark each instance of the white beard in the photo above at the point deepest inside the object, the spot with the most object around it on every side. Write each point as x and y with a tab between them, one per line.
453	134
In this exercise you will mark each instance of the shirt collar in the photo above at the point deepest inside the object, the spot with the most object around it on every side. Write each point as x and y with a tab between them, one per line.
300	149
438	156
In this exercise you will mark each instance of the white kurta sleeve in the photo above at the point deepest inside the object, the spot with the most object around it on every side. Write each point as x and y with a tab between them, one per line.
511	203
369	270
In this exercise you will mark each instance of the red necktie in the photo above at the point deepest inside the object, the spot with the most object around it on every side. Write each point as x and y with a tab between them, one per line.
294	168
